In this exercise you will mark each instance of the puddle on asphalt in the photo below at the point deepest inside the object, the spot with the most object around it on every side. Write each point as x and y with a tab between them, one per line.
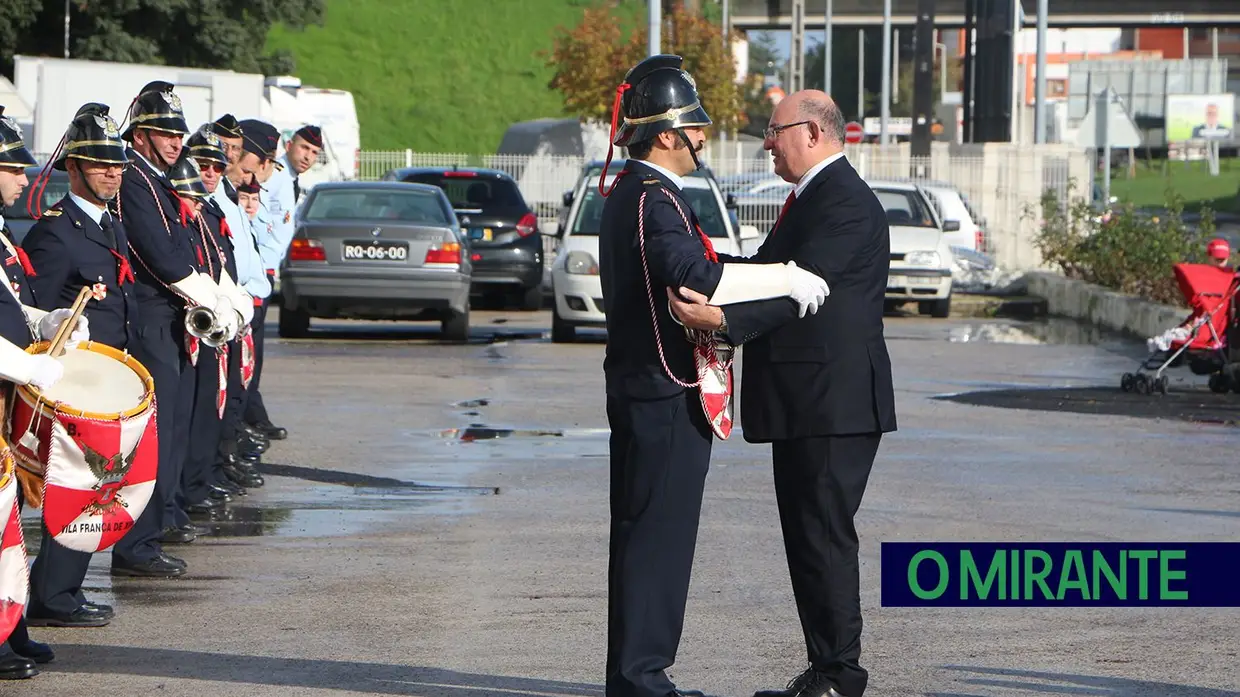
1193	404
1046	331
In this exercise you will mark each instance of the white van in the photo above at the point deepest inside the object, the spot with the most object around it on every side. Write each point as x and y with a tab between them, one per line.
574	273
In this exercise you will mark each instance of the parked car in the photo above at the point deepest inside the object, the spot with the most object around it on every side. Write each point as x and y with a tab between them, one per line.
953	204
502	229
575	281
921	258
377	250
758	197
18	218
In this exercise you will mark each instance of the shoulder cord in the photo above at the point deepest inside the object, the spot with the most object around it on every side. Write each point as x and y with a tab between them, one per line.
703	340
208	238
32	326
162	217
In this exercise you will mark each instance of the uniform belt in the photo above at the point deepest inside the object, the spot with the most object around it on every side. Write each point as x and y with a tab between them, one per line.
271	273
258	302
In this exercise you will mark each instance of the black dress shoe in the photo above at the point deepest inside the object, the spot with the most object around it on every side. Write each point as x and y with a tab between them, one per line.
206	508
256	435
219	494
34	650
257	443
104	611
175	561
14	667
241	477
271	430
81	617
177	536
811	683
155	567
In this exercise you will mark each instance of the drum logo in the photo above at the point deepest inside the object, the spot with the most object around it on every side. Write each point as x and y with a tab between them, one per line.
110	471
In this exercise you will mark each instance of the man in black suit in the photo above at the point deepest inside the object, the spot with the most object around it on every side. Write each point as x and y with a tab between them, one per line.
660	437
818	388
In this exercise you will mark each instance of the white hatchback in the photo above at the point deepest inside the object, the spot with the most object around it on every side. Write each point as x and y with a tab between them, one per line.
921	256
574	273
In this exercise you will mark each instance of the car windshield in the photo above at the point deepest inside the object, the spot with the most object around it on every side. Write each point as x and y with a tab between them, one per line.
377	204
491	196
905	208
703	201
56	189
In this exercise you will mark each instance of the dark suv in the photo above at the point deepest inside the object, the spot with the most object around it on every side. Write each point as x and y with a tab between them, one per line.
502	230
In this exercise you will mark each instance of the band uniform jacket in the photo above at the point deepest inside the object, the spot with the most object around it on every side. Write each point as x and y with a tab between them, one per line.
68	251
161	249
676	257
14	324
213	217
829	373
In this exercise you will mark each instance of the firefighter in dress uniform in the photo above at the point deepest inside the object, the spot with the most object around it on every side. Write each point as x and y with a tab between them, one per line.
261	142
169	283
228	130
76	242
21	324
660	435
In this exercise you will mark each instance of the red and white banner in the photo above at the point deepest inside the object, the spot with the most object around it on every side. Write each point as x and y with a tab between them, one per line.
14	574
99	477
247	357
221	391
714	366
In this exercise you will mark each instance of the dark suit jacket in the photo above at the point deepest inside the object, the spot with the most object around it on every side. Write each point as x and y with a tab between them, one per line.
827	373
676	257
12	317
69	250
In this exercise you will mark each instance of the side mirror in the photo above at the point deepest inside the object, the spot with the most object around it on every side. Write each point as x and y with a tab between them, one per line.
557	233
951	225
749	232
730	201
568	198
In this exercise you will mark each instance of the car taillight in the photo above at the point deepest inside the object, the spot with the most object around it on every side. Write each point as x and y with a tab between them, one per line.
444	253
306	250
527	225
979	240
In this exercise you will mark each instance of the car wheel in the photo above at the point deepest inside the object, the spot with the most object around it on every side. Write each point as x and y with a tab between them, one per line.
561	331
294	324
936	308
455	326
532	299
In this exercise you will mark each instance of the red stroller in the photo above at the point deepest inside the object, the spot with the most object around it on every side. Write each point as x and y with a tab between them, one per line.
1209	291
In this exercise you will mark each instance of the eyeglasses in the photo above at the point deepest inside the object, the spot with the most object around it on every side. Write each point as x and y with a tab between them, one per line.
203	166
773	131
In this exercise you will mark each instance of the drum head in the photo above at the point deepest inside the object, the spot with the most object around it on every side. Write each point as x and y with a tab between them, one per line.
97	383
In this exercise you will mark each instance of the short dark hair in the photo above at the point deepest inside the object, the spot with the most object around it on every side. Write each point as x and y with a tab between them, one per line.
640	151
827	115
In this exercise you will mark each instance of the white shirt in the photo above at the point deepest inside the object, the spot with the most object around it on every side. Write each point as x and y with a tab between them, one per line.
277	200
677	180
808	177
92	211
155	169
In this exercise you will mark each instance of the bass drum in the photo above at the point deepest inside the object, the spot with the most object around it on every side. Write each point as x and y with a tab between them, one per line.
87	450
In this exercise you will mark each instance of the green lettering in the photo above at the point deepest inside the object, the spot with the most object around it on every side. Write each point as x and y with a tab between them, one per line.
944	576
969	575
1073	562
1038	577
1143	574
1014	571
1118	584
1165	574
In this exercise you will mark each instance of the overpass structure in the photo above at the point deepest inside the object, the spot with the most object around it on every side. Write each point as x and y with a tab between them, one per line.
777	14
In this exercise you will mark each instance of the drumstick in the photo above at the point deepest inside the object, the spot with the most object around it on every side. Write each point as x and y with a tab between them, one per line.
66	327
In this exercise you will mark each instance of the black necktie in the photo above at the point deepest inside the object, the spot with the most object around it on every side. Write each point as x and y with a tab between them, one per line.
296	190
105	223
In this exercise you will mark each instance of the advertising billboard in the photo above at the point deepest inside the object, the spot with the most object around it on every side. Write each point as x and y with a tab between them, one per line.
1201	117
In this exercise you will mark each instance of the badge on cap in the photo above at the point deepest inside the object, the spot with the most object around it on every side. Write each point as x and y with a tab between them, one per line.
9	122
173	100
108	126
689	78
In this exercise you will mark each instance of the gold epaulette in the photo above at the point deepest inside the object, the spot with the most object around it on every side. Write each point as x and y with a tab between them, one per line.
51	213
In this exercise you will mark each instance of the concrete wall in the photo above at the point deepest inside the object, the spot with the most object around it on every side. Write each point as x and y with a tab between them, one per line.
1106	308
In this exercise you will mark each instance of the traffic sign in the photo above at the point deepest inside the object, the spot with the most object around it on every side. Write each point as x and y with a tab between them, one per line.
853	132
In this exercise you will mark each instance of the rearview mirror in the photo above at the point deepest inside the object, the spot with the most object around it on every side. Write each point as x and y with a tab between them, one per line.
951	225
730	201
568	198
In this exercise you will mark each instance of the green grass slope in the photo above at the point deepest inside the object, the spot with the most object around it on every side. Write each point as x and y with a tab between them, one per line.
436	75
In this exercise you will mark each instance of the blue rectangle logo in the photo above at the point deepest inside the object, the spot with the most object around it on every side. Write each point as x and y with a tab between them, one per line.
1060	574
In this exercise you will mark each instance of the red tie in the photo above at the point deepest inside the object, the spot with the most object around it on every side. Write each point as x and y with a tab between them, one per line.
787	204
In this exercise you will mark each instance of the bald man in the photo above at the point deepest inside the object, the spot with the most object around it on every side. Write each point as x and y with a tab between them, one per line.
818	387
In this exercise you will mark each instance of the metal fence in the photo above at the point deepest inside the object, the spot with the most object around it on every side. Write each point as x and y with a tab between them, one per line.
1002	183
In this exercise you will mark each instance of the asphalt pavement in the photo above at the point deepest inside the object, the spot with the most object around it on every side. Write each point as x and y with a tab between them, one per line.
436	524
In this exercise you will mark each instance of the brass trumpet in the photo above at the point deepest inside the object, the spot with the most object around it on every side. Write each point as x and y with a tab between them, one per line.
201	323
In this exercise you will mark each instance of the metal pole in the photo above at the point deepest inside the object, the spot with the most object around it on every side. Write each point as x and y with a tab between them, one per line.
726	33
66	28
885	113
1039	88
1185	43
895	66
655	19
861	74
1214	43
827	47
942	49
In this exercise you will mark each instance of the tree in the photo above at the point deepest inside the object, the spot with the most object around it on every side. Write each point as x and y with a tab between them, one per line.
223	34
15	16
591	59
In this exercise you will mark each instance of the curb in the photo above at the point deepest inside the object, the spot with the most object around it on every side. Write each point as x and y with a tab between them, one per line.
1021	306
1100	306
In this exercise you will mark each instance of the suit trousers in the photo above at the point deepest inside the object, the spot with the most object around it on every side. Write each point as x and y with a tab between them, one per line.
255	410
160	349
660	453
55	579
819	483
234	410
197	474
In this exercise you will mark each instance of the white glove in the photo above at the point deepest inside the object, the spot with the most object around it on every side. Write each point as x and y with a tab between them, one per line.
52	321
808	290
226	317
45	371
199	288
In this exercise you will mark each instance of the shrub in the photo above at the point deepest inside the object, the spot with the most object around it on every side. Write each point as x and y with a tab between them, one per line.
1125	249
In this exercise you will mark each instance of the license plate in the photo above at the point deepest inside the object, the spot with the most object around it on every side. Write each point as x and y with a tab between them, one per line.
923	281
895	281
375	250
485	234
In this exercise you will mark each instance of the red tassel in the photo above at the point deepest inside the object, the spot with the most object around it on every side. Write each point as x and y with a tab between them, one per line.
187	212
25	260
124	270
225	230
615	118
711	255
